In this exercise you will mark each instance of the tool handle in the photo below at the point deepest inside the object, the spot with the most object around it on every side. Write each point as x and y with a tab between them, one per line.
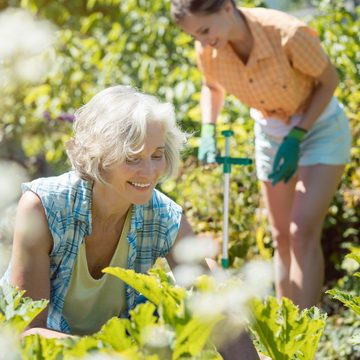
234	161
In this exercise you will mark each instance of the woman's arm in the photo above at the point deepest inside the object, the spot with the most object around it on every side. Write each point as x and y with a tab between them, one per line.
211	102
30	260
327	82
212	93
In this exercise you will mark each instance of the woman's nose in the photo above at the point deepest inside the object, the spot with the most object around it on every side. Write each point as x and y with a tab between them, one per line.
147	168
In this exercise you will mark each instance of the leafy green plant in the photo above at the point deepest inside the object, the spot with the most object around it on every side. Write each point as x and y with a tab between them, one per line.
348	299
182	335
284	333
16	310
340	42
168	326
191	334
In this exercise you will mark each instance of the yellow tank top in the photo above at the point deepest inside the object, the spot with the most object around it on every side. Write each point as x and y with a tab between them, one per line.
90	302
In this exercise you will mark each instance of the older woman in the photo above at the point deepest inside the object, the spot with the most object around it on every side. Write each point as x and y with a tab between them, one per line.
106	212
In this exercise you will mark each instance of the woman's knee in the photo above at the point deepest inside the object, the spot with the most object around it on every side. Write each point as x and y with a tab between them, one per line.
304	234
281	239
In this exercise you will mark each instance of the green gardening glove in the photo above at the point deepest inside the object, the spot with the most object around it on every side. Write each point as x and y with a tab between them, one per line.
207	148
287	157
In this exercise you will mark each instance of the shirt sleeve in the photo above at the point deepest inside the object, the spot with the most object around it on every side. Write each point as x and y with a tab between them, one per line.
305	53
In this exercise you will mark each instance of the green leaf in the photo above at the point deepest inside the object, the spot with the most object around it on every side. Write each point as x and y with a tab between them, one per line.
18	311
349	300
82	347
113	333
144	284
151	287
284	332
193	336
38	347
316	323
141	318
355	256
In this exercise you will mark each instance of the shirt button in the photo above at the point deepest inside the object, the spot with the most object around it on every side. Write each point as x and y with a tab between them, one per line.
284	86
262	102
251	80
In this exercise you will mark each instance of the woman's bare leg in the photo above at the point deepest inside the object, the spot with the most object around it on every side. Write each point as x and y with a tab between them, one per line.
314	190
279	202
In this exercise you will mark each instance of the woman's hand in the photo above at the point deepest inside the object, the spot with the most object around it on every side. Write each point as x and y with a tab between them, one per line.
207	148
48	333
287	156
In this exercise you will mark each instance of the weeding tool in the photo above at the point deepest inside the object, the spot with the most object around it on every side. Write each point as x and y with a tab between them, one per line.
228	161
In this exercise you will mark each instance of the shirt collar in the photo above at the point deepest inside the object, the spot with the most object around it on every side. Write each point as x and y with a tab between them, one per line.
262	46
84	213
137	218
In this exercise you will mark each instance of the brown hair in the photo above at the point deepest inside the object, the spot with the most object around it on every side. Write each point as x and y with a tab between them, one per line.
180	8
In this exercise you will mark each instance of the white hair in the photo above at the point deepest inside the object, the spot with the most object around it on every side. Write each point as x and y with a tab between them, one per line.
111	127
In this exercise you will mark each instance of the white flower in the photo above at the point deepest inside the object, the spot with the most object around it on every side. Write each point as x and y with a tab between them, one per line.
21	32
158	336
9	344
195	249
185	275
232	293
24	46
259	277
12	175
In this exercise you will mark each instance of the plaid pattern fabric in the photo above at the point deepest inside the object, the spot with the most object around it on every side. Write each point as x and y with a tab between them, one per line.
67	203
279	76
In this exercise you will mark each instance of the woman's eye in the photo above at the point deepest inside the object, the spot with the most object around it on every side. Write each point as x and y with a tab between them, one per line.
132	160
205	31
158	156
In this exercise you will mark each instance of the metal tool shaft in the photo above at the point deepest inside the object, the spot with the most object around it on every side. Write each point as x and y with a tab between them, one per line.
228	161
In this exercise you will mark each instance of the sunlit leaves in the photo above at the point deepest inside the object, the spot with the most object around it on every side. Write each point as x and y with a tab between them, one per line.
16	309
349	300
352	301
284	332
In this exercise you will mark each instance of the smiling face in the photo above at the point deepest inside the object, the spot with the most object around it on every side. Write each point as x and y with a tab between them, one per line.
213	30
133	181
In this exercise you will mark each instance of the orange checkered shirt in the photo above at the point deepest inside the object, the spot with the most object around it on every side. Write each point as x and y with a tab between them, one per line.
279	76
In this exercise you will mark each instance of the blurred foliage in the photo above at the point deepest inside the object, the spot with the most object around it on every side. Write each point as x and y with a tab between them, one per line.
337	341
99	44
341	339
341	41
350	300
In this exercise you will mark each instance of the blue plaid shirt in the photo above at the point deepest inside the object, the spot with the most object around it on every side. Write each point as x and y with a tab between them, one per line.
67	203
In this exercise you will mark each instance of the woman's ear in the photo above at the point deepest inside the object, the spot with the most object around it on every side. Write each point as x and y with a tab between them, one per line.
228	6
